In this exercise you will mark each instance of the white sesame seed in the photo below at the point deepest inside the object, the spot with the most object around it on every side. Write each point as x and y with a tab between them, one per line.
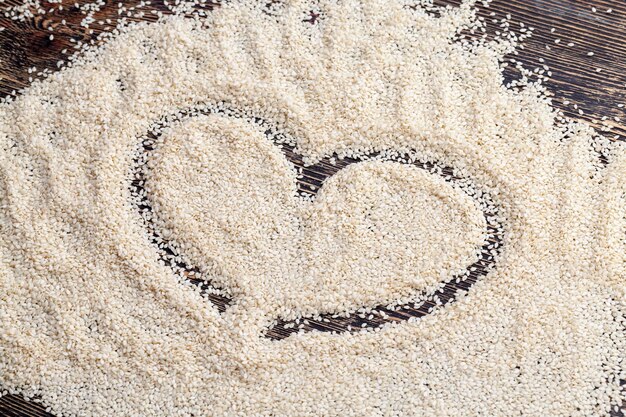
98	317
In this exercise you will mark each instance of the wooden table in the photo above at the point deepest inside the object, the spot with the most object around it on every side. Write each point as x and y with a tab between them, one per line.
566	32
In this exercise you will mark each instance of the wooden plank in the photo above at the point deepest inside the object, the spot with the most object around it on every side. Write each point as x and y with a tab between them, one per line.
27	44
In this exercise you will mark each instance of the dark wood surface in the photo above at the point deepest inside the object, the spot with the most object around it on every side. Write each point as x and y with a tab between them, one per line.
25	44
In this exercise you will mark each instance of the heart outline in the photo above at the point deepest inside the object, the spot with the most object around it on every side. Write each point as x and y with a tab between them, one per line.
309	181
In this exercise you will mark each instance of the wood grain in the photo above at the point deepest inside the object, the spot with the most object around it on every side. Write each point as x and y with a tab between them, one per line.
26	44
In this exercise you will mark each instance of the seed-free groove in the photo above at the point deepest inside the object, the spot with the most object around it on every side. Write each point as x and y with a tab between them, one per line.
310	179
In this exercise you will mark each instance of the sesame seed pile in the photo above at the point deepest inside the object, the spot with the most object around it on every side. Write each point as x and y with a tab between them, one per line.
171	144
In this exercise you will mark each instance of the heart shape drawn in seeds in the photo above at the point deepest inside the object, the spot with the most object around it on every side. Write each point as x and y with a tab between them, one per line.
253	223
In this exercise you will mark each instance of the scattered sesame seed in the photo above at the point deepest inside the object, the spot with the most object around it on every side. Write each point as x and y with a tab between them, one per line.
98	317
